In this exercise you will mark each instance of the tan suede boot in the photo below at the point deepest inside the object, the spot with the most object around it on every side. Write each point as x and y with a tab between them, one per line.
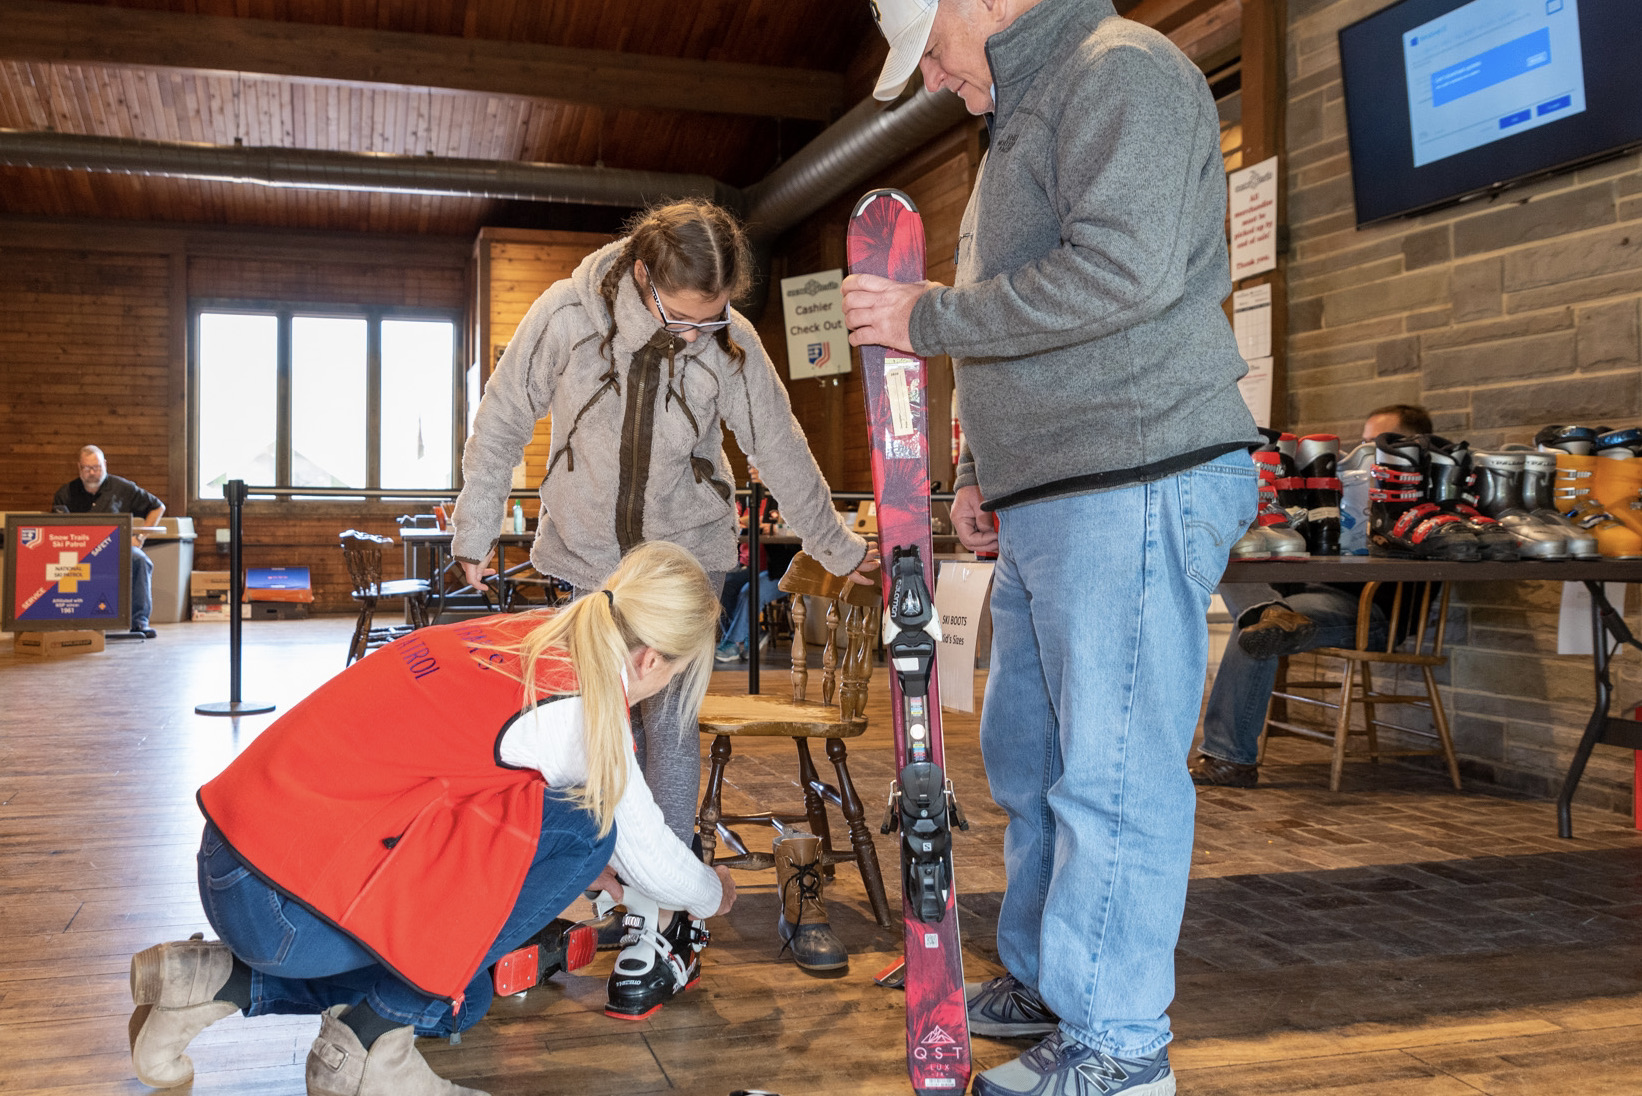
803	922
173	986
338	1064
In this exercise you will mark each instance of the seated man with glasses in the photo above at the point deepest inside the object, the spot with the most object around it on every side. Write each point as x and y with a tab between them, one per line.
97	492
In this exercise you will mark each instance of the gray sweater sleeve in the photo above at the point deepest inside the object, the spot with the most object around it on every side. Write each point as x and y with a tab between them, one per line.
756	407
1122	173
518	393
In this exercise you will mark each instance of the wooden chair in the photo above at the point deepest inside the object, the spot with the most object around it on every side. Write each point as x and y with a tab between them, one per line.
844	676
363	554
1356	685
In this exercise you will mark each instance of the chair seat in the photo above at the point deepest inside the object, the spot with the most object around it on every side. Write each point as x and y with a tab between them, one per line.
399	587
765	716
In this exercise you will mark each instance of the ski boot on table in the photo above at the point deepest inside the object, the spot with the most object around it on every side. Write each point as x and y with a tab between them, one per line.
1404	523
657	964
1538	498
1448	480
1316	459
1573	448
1616	480
1498	493
1270	536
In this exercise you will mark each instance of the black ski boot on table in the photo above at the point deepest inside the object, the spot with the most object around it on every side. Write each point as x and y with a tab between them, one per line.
1402	521
654	967
1316	457
1448	480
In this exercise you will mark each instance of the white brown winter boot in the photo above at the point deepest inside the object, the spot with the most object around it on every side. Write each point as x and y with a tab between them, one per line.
339	1064
174	987
802	922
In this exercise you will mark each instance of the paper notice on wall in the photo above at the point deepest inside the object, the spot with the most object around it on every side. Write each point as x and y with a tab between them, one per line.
1251	321
1256	390
1573	626
960	598
1252	207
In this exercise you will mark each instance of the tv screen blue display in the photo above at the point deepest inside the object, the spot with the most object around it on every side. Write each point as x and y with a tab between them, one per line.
1450	99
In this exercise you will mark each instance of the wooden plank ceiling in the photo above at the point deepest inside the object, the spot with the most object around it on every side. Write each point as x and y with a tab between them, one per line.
155	70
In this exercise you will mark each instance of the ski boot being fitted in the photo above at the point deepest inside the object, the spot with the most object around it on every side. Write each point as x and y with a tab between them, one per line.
1403	522
802	923
1498	487
562	945
655	966
1448	478
1315	460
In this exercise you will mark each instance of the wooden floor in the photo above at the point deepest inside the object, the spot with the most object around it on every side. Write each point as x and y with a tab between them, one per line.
1394	939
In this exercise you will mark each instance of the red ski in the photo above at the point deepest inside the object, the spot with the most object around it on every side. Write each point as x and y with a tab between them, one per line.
886	237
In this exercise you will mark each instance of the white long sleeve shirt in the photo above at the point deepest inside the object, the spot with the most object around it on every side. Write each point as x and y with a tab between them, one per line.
550	739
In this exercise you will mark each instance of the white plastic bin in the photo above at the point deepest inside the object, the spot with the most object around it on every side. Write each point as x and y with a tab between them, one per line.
173	554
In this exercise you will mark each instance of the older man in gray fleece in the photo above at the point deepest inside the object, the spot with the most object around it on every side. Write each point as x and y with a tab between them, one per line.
1097	387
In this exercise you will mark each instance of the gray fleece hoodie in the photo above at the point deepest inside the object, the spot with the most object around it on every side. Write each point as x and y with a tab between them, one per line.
638	444
1085	326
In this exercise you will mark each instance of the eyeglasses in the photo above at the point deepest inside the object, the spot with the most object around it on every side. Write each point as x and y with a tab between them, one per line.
679	326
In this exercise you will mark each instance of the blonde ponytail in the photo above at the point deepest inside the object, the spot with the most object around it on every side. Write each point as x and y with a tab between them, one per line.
659	597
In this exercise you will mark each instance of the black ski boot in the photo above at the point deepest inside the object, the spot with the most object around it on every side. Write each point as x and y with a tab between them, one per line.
654	967
1291	488
1498	493
1448	481
1315	458
1403	523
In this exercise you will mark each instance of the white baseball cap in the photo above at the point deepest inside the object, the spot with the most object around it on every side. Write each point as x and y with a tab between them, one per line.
905	24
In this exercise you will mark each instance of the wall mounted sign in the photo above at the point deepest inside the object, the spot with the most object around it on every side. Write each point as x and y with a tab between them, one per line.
1252	206
813	307
66	571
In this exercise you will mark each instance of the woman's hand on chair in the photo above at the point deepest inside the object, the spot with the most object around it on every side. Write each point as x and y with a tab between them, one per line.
724	905
866	572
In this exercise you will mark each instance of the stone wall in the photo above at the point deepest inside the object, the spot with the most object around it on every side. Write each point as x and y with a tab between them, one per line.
1500	316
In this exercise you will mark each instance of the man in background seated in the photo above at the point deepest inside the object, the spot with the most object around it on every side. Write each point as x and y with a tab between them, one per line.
97	492
1271	621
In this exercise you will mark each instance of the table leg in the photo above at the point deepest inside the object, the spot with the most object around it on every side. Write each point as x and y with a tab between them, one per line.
1601	729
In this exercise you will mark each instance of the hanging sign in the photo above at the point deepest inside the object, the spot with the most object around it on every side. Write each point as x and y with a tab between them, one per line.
1252	206
960	598
817	343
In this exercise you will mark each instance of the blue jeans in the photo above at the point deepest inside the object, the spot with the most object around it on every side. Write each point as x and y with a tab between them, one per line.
303	965
142	587
1099	649
1236	712
768	590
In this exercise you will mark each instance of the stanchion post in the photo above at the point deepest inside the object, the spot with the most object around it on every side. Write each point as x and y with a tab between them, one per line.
234	491
754	512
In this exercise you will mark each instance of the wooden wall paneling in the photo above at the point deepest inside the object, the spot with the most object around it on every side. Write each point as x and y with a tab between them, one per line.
177	369
1265	96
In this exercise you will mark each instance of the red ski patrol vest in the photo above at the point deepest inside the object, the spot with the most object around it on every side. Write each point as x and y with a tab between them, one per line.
380	802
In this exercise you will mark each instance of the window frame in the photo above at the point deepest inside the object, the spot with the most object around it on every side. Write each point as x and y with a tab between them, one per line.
283	313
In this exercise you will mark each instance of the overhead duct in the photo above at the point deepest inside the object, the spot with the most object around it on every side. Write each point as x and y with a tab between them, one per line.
313	169
867	139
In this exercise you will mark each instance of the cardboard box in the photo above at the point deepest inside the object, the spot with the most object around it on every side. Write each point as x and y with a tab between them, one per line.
206	583
211	608
278	584
273	610
58	644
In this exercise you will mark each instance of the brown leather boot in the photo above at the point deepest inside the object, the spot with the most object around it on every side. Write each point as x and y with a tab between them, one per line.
174	987
339	1065
803	920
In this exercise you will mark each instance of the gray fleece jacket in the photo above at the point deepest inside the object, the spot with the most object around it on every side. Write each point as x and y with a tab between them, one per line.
638	446
1085	326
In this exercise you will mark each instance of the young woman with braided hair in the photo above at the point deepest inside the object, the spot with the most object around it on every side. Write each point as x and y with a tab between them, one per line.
641	361
423	814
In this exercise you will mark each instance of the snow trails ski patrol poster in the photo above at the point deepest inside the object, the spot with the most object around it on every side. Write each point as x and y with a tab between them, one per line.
67	571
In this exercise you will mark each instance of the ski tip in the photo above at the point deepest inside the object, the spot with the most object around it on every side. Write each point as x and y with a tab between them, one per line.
883	192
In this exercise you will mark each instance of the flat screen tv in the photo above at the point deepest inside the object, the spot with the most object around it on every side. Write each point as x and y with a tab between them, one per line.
1451	99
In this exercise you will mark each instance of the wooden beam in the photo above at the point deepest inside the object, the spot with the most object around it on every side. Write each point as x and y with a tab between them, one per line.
1165	16
37	30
